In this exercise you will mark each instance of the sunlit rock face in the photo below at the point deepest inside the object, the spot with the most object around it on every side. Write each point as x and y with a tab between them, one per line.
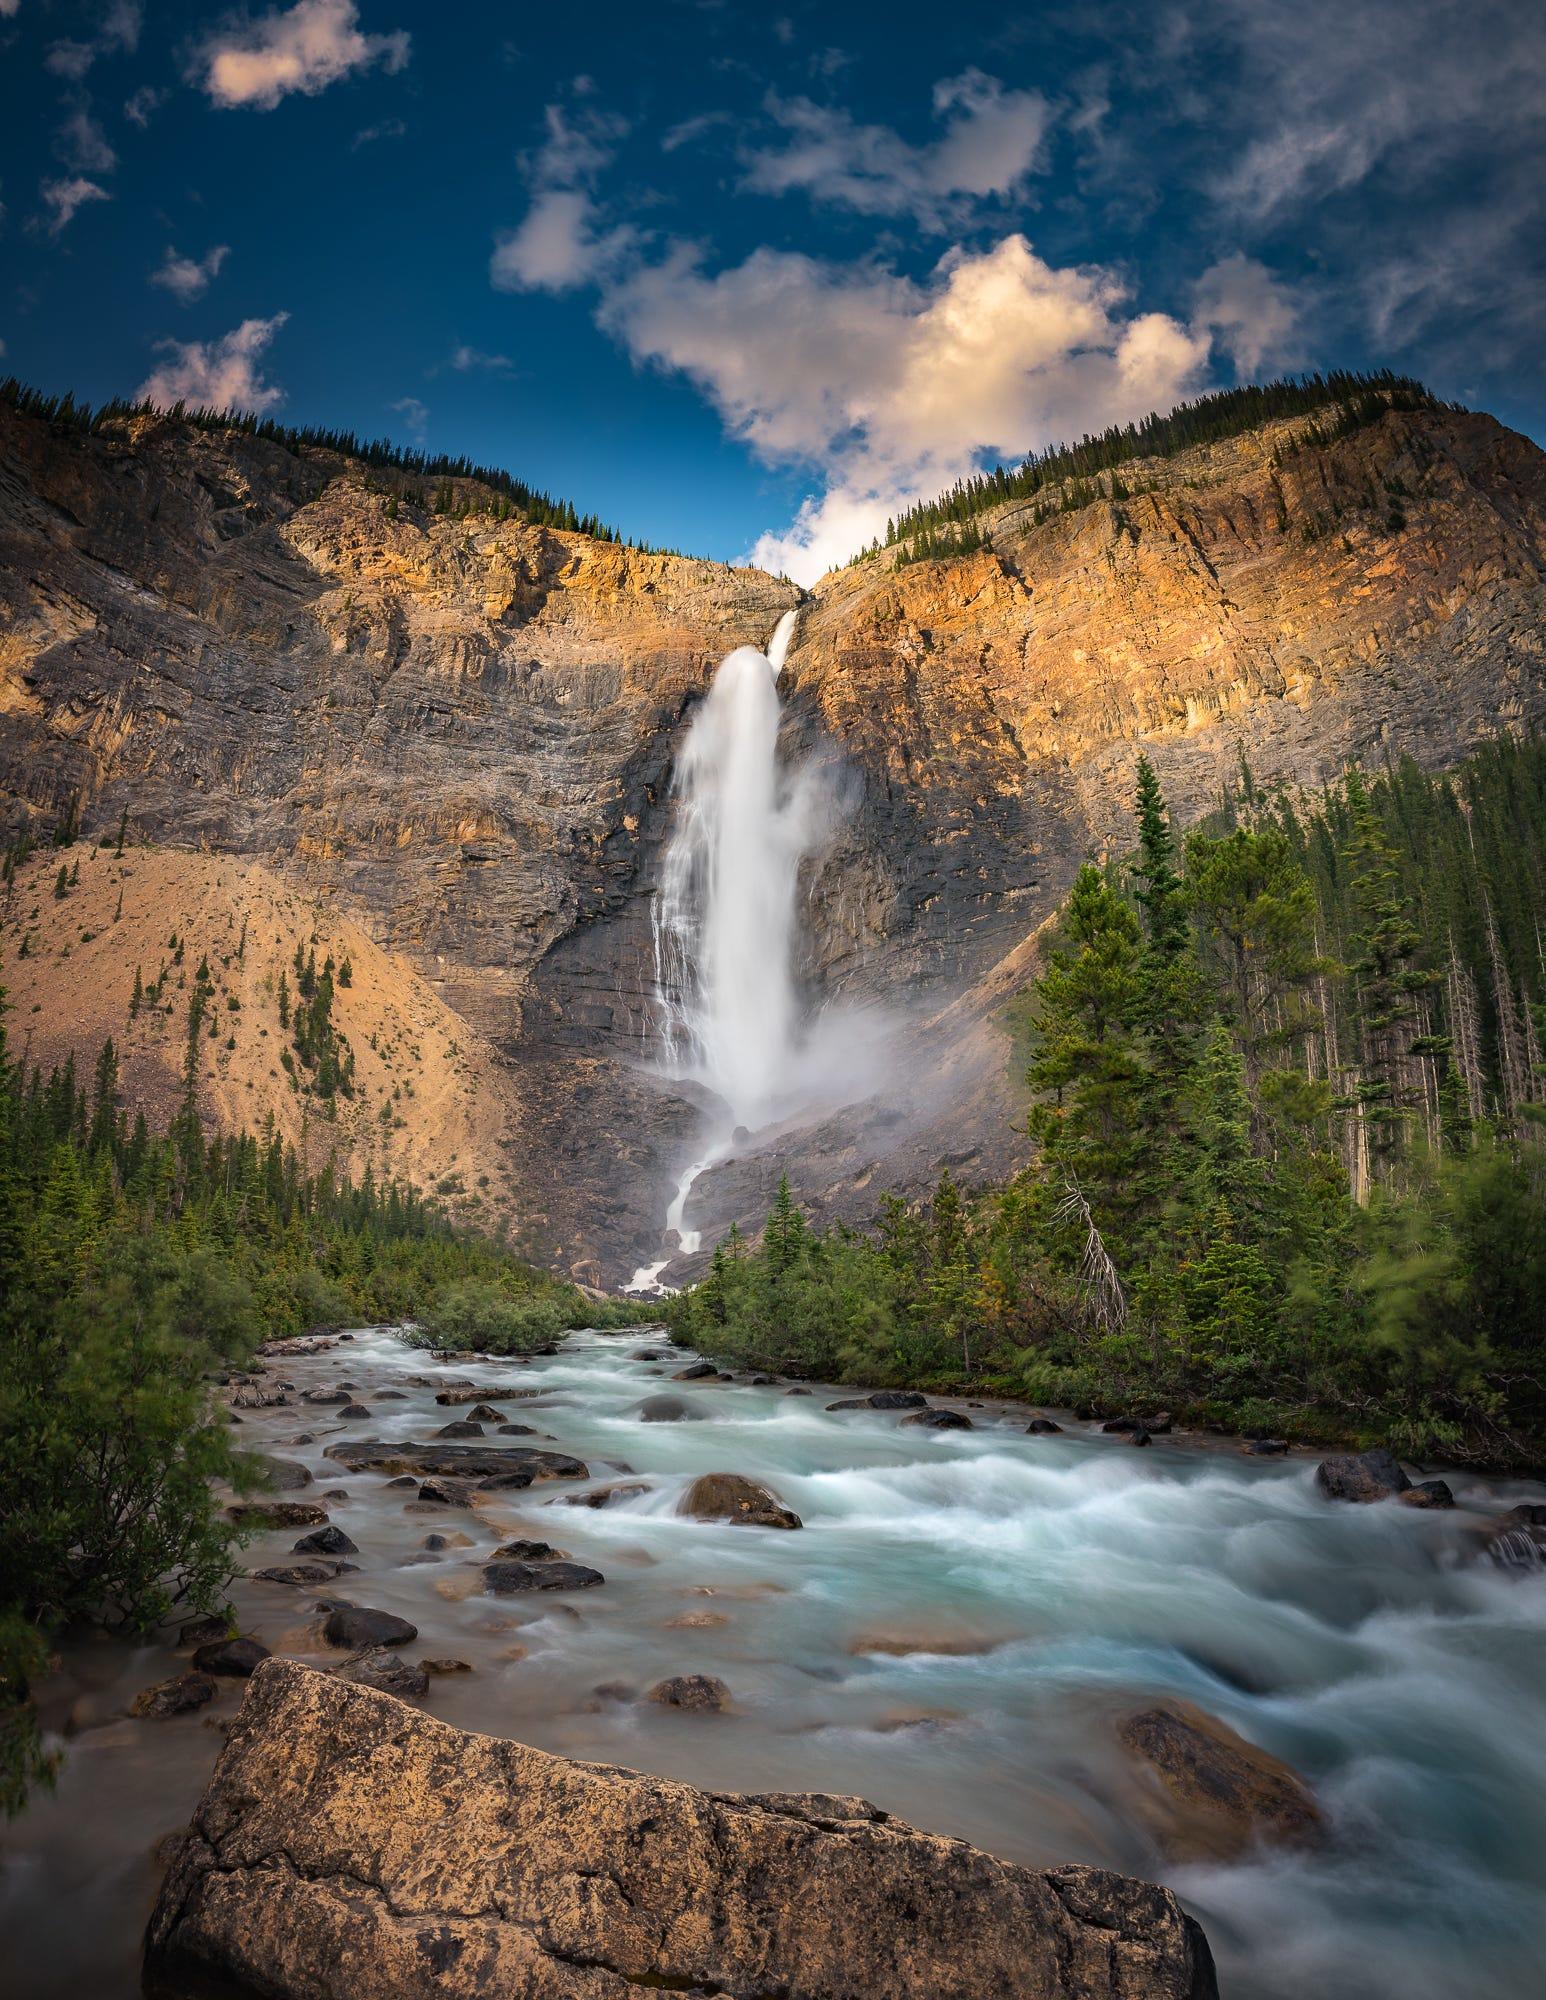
462	730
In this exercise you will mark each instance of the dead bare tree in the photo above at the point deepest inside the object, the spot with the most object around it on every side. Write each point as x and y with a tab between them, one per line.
1098	1275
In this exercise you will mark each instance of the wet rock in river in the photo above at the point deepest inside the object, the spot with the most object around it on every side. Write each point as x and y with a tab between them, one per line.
695	1371
448	1492
664	1409
352	1412
1361	1476
507	1579
326	1395
519	1431
356	1628
609	1496
470	1392
173	1697
699	1694
277	1513
1042	1427
1517	1540
1266	1447
646	1354
799	1392
442	1668
729	1496
390	1396
940	1420
485	1413
526	1550
1215	1794
1428	1494
297	1880
284	1474
464	1427
883	1399
387	1672
237	1657
202	1631
326	1541
466	1461
306	1572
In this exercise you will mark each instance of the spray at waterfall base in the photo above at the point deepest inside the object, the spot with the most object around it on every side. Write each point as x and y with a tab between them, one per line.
726	923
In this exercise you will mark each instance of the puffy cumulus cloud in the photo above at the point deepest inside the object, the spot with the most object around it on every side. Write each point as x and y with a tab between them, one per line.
1251	312
561	242
118	33
64	199
223	374
189	278
301	48
892	388
991	143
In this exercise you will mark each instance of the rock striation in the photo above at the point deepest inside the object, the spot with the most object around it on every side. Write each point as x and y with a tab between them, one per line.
444	742
349	1845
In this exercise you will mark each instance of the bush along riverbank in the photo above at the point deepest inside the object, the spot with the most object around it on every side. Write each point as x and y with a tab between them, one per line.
133	1267
1291	1177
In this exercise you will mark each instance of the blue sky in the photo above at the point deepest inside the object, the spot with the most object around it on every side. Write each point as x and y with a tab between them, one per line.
744	280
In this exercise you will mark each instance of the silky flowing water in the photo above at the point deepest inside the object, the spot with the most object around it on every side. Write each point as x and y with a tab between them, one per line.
1366	1645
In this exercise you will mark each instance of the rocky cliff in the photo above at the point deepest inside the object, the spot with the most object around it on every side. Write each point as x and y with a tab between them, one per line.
456	731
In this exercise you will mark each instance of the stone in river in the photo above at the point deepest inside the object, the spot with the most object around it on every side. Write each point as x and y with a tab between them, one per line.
355	1628
448	1492
940	1420
1217	1794
898	1399
325	1395
762	1381
505	1579
695	1371
518	1431
296	1878
328	1541
1141	1436
174	1697
308	1572
1266	1447
699	1694
665	1409
646	1354
354	1411
608	1496
388	1672
1362	1476
799	1392
466	1461
464	1427
470	1392
446	1666
524	1550
230	1656
200	1631
729	1496
485	1413
390	1396
1041	1427
1427	1493
283	1473
277	1513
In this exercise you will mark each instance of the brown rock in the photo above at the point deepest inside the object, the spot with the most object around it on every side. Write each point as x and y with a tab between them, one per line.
700	1694
174	1697
1363	1476
1216	1794
349	1848
728	1496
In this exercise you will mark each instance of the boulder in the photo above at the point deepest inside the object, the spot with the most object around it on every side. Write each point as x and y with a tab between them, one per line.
388	1672
699	1694
1041	1427
1427	1493
447	1666
470	1392
898	1399
352	1412
204	1631
940	1420
518	1430
325	1395
463	1427
646	1354
173	1697
463	1461
1213	1795
326	1541
1517	1540
729	1496
485	1413
350	1848
284	1474
1266	1447
668	1410
508	1579
799	1392
307	1572
390	1396
277	1514
525	1551
608	1496
448	1492
356	1629
695	1371
1362	1476
237	1657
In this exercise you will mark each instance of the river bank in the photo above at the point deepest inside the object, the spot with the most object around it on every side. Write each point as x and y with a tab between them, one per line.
955	1633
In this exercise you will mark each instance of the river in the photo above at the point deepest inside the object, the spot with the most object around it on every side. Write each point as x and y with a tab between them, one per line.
953	1635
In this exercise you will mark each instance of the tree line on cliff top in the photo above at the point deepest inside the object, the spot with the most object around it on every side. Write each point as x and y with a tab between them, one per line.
1286	1086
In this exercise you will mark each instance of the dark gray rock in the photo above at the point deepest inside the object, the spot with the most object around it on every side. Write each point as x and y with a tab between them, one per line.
356	1629
508	1579
328	1541
1361	1476
236	1657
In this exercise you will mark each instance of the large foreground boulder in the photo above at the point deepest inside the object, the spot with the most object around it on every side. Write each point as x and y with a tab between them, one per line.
1216	1795
730	1496
1362	1476
352	1848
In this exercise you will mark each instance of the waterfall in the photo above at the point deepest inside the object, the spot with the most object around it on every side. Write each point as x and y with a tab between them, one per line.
724	916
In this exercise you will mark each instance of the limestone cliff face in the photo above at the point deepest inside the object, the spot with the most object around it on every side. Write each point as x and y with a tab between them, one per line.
461	731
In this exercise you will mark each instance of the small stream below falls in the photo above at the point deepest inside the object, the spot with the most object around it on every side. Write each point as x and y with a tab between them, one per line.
953	1635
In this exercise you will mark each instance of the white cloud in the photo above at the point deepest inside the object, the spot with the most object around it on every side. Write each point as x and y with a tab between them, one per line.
189	278
415	416
302	48
891	388
1251	312
990	145
143	104
118	34
560	243
223	374
82	144
389	128
8	9
464	359
66	197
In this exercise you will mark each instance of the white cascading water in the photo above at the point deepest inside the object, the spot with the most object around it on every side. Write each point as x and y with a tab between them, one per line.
724	917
